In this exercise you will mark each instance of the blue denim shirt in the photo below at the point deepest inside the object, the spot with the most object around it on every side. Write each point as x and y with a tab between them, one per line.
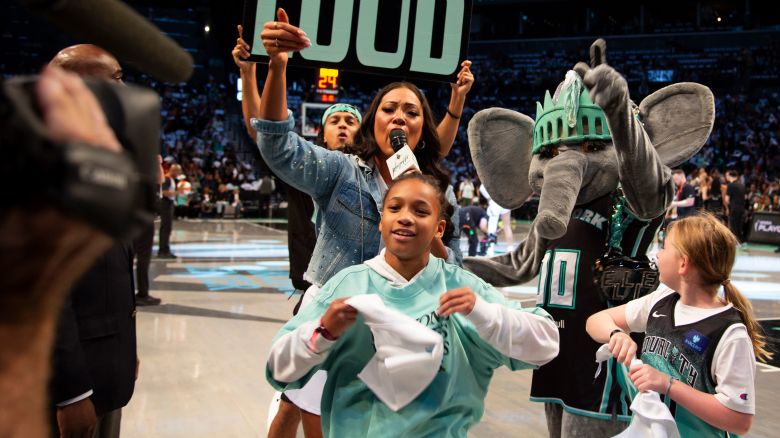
343	186
345	191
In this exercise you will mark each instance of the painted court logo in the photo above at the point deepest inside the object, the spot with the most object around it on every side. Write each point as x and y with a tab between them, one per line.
696	341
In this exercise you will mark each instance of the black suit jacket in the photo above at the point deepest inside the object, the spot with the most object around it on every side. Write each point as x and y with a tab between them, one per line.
95	347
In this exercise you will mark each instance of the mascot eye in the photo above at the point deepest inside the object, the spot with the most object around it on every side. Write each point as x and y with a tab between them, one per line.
549	152
593	146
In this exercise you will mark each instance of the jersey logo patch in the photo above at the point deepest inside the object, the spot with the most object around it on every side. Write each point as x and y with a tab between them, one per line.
696	341
657	315
743	396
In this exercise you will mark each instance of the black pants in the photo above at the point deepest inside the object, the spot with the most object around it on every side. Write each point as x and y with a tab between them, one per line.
166	225
473	243
265	205
108	424
735	223
143	250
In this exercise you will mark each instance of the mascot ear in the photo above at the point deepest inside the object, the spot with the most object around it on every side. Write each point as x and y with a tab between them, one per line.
678	119
501	141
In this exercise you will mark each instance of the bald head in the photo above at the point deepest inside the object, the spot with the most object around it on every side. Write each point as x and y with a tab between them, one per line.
89	60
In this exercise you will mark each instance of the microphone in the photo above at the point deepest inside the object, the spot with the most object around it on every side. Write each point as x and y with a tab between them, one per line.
120	30
398	139
403	160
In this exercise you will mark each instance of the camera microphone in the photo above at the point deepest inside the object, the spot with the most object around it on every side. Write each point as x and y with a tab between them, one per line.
403	160
120	30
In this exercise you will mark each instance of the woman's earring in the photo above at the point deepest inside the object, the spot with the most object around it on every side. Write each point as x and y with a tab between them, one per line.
421	145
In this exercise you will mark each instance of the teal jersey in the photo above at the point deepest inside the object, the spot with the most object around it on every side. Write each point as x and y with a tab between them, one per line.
451	404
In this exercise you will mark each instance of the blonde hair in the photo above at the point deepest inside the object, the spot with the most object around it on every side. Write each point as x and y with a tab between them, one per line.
712	248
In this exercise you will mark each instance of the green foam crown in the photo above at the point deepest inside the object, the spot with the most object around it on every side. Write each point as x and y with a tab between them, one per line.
556	123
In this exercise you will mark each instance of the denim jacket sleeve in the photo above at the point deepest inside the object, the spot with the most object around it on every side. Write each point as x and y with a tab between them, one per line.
307	167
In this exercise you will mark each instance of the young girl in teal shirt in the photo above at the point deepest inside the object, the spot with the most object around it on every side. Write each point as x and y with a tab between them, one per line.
480	328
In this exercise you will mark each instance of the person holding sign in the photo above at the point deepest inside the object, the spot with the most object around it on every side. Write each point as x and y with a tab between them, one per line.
358	180
447	129
436	393
250	96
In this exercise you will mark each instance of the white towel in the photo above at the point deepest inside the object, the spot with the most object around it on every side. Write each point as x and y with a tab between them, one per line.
651	417
602	355
408	354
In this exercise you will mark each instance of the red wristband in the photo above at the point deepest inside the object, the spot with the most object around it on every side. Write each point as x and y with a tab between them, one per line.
325	333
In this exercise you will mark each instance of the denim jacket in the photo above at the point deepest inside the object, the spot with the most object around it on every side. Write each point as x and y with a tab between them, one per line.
343	187
345	191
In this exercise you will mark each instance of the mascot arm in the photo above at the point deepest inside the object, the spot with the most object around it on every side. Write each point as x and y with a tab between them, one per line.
646	180
513	268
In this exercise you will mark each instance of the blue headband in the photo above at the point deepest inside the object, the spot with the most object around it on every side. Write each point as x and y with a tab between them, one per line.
342	108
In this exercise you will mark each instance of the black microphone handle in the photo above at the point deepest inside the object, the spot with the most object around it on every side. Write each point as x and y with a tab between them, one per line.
120	30
398	139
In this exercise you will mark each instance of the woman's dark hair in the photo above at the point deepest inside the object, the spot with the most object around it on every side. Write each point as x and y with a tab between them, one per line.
446	210
427	156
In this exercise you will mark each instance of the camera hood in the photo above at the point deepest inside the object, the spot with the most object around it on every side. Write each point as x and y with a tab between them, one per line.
115	192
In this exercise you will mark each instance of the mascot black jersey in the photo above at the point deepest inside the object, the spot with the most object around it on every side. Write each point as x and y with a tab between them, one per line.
566	290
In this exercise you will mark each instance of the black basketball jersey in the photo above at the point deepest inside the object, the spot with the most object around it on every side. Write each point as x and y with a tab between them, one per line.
566	290
686	352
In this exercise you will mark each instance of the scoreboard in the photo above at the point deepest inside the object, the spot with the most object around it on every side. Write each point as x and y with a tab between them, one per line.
328	84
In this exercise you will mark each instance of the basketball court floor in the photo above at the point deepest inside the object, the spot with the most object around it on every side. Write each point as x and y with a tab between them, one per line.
203	351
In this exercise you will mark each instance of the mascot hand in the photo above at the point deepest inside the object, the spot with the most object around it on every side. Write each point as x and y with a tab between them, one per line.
608	88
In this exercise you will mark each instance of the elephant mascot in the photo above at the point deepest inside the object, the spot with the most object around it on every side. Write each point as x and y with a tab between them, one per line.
601	166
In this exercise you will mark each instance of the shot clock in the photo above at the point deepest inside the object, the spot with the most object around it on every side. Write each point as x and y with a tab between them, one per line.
328	84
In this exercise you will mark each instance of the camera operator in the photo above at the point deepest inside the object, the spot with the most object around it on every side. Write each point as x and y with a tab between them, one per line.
42	252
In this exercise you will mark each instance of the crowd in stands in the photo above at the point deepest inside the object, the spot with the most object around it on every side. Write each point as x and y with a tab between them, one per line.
196	134
745	139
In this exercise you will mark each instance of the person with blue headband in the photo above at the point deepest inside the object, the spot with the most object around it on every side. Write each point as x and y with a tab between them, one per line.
340	123
342	108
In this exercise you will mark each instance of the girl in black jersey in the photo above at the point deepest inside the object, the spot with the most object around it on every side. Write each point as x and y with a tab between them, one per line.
700	346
